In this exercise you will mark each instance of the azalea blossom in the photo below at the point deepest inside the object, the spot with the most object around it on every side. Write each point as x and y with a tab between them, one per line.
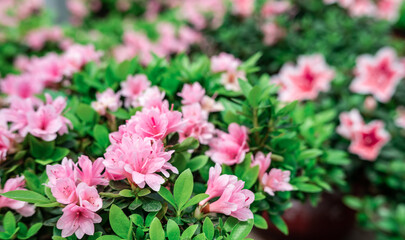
23	208
209	105
272	33
6	138
16	114
133	88
378	75
370	103
191	93
66	170
77	219
106	100
22	86
263	161
139	160
243	8
400	119
368	140
48	69
274	8
76	56
64	191
276	180
89	197
388	9
224	62
349	123
37	38
229	148
196	124
304	81
90	172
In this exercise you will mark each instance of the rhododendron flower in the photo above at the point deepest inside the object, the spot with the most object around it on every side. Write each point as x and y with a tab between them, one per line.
106	100
37	38
49	69
23	208
263	161
349	123
208	104
229	148
60	171
196	124
276	180
132	89
243	8
23	86
272	33
191	93
139	160
378	75
368	141
6	138
388	9
234	201
64	191
76	56
400	120
78	220
153	98
304	81
273	8
217	183
230	80
188	36
224	62
90	172
88	197
370	103
47	120
17	114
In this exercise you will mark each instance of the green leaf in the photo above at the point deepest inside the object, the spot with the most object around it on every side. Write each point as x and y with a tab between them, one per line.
306	187
26	196
126	193
156	231
86	113
100	133
245	87
287	109
189	232
353	202
310	153
279	223
187	144
143	192
135	204
119	221
195	200
137	220
259	196
40	149
255	96
109	237
59	153
173	230
197	162
230	224
33	183
260	222
9	223
167	195
241	230
34	229
208	229
151	206
183	188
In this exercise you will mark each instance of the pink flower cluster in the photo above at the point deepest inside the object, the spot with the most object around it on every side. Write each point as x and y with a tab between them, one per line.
75	186
229	148
79	9
276	179
23	208
271	31
39	72
378	75
233	199
36	39
243	8
366	139
41	120
304	81
13	11
228	65
381	9
170	41
195	113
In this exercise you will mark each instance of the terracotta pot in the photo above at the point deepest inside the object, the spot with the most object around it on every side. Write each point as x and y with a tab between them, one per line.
331	220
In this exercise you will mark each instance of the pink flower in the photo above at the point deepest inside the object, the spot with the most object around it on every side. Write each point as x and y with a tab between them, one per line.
64	191
229	148
49	69
234	201
106	100
152	98
76	56
230	80
209	105
196	124
368	141
78	220
272	33
243	8
132	89
224	62
23	86
370	103
6	138
139	160
304	81
263	161
47	120
400	120
276	180
17	114
90	172
60	171
349	123
23	208
378	75
359	8
191	93
388	9
37	38
88	197
217	183
273	8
